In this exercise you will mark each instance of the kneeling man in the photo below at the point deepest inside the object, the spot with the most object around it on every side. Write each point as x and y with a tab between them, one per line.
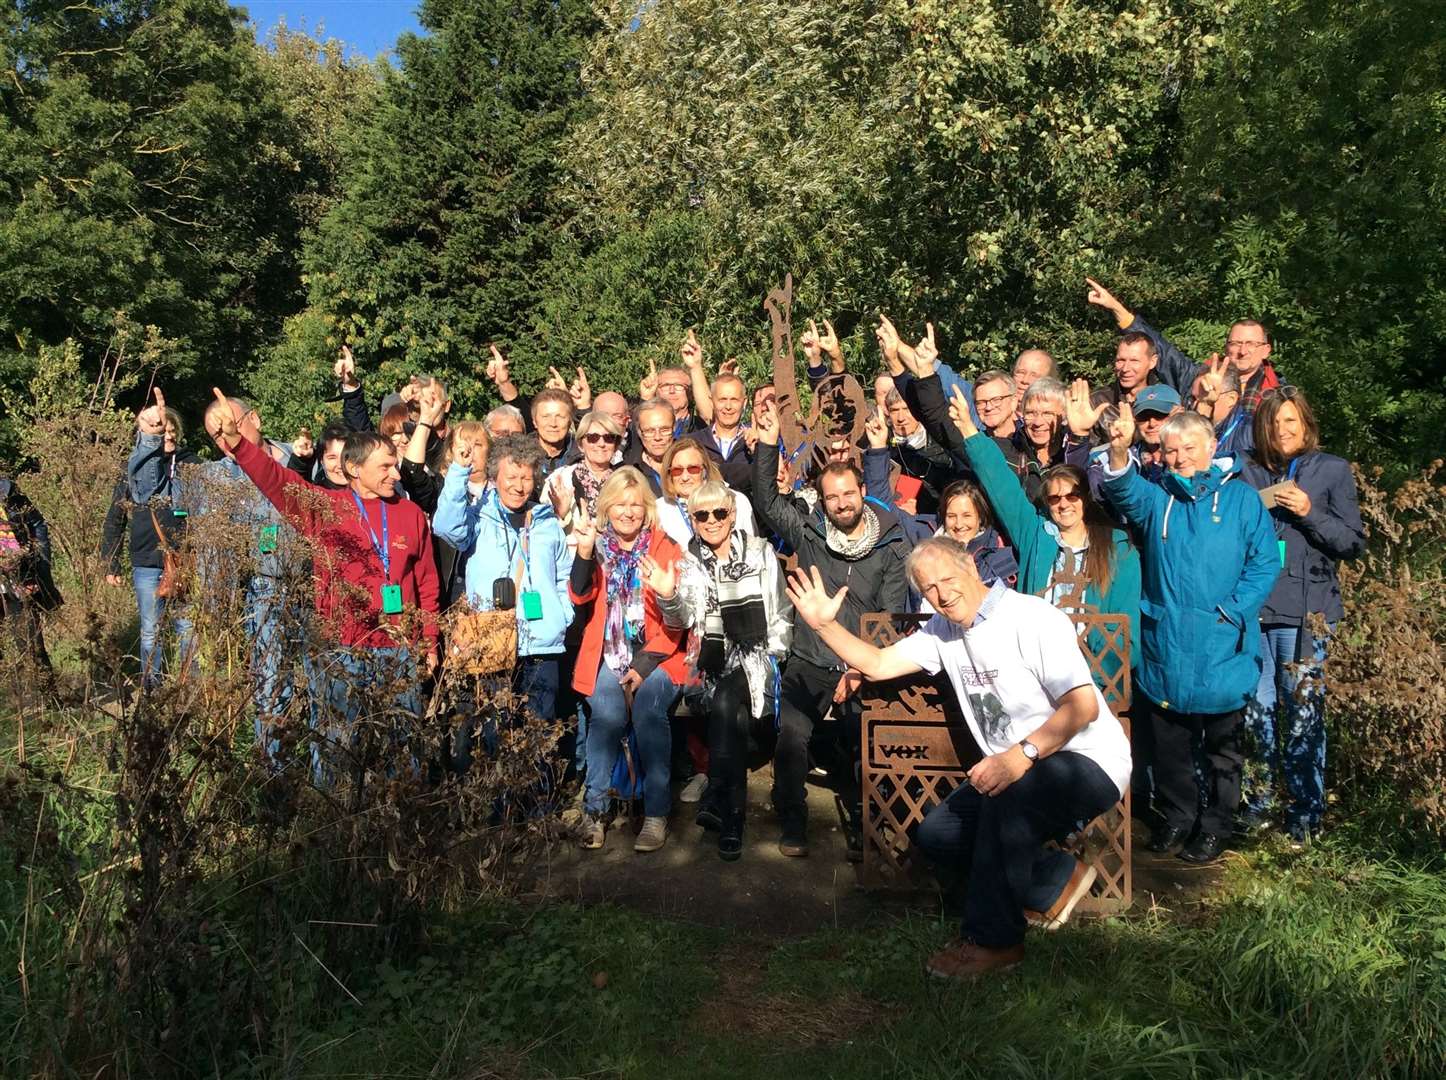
1054	756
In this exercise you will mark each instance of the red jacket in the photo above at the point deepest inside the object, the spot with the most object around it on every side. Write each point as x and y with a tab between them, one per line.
658	638
348	570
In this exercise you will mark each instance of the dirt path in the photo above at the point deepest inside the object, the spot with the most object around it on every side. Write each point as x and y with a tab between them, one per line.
768	894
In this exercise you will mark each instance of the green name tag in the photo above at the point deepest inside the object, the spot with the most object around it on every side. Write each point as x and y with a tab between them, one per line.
391	599
1282	553
531	605
266	540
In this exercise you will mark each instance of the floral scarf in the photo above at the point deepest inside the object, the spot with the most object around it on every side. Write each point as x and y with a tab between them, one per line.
624	626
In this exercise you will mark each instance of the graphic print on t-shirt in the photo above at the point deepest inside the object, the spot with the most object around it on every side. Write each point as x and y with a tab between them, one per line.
991	714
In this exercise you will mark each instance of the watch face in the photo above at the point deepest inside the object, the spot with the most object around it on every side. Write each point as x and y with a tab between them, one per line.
1030	750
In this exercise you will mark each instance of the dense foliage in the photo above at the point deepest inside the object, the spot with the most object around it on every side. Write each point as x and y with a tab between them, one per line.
581	181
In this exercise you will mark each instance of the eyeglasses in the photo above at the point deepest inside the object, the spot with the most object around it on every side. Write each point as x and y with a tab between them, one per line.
1035	414
673	386
599	437
1243	345
1065	496
718	513
1287	391
990	403
655	432
686	470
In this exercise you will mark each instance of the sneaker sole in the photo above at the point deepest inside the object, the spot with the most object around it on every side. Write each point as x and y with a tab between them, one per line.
1000	970
1051	925
793	851
644	849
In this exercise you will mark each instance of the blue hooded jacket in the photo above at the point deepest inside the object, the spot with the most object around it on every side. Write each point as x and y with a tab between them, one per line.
1209	560
477	527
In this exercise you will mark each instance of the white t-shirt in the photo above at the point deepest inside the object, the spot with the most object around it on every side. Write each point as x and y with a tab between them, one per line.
679	527
1009	672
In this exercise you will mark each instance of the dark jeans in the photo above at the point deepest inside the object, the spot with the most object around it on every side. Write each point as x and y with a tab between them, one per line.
535	678
807	695
1191	788
999	841
22	620
363	700
730	715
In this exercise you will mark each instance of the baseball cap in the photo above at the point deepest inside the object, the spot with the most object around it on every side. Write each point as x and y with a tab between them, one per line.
1157	398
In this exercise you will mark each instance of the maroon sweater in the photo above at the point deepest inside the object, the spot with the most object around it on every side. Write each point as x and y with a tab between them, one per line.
348	570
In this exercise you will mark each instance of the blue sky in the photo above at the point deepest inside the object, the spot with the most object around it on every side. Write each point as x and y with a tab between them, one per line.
367	26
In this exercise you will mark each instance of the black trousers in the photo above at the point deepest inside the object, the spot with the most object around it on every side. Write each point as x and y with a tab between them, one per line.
730	716
1197	788
806	694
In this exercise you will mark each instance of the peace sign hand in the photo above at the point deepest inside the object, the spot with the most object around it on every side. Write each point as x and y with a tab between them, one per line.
812	600
152	419
877	430
1212	379
584	530
1079	413
663	580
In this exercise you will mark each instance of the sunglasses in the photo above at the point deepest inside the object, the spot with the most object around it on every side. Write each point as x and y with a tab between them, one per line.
718	513
686	470
1287	392
599	437
1067	496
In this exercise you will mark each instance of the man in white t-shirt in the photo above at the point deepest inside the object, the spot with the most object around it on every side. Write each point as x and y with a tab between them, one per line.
1054	756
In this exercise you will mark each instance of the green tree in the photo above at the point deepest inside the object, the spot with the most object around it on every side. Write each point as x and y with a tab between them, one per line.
145	167
449	207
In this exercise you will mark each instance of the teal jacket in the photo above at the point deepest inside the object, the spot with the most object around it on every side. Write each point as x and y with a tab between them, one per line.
1210	561
1036	540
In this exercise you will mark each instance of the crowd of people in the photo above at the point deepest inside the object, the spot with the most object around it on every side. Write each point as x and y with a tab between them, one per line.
640	538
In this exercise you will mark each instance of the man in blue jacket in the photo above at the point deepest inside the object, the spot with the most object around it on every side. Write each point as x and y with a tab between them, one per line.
1209	560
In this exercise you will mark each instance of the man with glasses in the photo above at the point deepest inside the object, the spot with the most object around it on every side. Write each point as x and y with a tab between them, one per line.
656	423
1030	366
849	543
996	397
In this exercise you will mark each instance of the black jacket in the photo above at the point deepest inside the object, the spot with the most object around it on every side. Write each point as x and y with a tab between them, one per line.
876	580
33	536
144	546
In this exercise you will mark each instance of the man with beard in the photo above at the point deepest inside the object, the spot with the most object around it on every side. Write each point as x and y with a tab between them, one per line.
847	543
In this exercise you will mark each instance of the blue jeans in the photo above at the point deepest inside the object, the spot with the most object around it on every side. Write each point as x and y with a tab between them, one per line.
607	722
354	692
151	609
998	840
535	678
275	631
1293	691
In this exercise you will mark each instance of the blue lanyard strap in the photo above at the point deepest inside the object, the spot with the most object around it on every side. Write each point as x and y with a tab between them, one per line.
379	546
1294	465
509	532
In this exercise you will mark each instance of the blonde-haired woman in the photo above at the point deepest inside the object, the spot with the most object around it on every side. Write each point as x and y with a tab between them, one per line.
630	664
573	489
729	592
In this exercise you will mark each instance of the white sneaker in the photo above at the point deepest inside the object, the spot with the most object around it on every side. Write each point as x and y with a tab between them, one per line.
694	790
654	834
590	833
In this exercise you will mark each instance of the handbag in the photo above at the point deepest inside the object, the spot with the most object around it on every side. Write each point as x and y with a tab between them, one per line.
172	585
485	642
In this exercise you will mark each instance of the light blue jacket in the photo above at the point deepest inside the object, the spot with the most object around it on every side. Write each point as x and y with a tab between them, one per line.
478	529
1209	560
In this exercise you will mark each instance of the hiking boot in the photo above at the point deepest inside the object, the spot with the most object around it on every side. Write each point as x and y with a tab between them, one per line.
730	837
793	838
1205	848
654	834
694	789
711	813
1166	838
966	960
590	833
1075	890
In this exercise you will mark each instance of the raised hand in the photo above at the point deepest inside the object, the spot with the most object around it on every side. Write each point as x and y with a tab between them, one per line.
555	381
828	342
580	392
662	579
1100	296
812	600
691	352
462	451
498	368
152	419
1212	378
561	496
959	413
877	430
1122	436
228	431
410	391
431	406
584	530
765	422
888	339
925	354
302	445
648	384
1079	413
345	370
809	342
729	366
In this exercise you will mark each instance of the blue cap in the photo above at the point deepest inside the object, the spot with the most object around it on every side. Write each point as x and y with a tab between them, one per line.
1157	398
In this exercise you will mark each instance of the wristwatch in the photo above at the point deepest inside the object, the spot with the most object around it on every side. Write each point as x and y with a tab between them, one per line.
1030	750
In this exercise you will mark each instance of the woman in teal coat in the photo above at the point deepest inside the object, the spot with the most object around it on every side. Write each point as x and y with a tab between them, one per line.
1072	537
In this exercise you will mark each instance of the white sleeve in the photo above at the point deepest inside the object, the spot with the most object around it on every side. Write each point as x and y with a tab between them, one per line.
1056	658
921	648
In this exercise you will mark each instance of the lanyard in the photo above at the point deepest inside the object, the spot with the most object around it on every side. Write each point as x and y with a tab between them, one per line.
732	441
508	533
379	546
687	519
1294	465
1230	428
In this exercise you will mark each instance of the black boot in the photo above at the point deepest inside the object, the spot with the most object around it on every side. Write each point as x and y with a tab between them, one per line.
730	837
793	840
712	810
